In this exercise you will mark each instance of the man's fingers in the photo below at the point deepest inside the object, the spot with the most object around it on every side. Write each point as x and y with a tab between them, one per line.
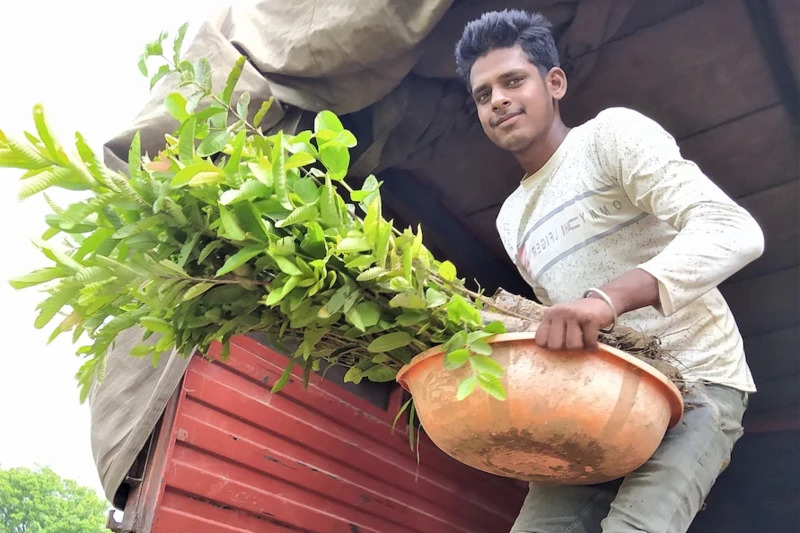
542	332
555	336
574	336
590	334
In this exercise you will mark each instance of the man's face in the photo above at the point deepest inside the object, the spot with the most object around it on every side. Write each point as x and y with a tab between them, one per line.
515	105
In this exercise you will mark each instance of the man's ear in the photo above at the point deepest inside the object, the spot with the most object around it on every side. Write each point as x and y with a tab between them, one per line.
556	81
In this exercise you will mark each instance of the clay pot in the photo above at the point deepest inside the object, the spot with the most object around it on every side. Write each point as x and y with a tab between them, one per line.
570	417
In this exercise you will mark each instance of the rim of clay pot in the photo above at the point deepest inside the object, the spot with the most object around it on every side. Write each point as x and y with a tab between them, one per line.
674	395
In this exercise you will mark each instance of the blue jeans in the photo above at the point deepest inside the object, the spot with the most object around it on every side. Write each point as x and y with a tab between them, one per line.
664	494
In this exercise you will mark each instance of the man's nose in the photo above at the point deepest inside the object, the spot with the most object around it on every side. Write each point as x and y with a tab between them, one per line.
499	100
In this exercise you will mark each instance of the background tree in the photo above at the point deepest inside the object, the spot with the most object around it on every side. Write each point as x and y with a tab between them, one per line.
39	501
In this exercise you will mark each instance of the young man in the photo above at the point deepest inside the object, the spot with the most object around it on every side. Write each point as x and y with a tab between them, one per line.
610	224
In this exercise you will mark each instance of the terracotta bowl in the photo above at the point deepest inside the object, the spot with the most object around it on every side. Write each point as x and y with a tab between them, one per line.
570	417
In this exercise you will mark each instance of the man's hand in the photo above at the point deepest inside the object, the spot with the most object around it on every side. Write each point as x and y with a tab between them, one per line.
574	326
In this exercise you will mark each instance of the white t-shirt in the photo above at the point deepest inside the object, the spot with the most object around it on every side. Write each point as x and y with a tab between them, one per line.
617	195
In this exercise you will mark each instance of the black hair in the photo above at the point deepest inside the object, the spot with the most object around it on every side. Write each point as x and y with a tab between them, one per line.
504	29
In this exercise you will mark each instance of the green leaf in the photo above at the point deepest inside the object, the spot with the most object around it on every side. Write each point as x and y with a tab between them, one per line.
230	226
353	244
284	379
262	112
299	215
346	138
193	101
400	412
207	249
262	170
380	374
37	277
206	178
44	132
186	142
202	73
300	159
142	350
371	274
250	190
336	159
328	210
304	315
411	318
466	387
435	298
57	255
485	365
390	341
213	111
335	303
279	172
459	310
362	261
287	266
20	155
326	120
155	48
240	258
459	340
456	358
307	190
214	143
156	325
232	166
243	105
364	315
480	347
196	290
135	158
383	241
353	375
178	43
493	386
408	301
495	327
411	421
163	70
447	271
233	78
283	246
51	177
139	226
477	336
52	305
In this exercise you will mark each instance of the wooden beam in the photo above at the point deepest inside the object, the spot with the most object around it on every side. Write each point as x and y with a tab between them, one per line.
773	421
766	29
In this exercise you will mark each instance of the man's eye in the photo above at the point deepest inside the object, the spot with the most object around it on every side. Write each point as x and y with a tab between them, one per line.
483	97
515	82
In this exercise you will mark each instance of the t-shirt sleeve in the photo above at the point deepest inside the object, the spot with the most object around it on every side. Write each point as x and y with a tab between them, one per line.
716	237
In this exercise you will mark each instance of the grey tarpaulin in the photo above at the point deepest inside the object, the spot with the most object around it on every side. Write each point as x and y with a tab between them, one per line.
385	65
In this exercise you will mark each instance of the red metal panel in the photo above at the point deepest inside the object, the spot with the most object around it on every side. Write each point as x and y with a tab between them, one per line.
319	460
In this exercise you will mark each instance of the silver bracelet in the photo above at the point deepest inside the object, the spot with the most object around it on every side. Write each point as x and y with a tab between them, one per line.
607	300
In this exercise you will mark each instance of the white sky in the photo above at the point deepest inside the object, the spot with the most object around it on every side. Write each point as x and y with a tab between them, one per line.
78	58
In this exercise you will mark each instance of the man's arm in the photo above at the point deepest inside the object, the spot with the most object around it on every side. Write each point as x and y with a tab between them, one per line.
715	239
576	325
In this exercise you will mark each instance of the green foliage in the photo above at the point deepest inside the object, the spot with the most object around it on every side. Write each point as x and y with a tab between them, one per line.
227	231
39	501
